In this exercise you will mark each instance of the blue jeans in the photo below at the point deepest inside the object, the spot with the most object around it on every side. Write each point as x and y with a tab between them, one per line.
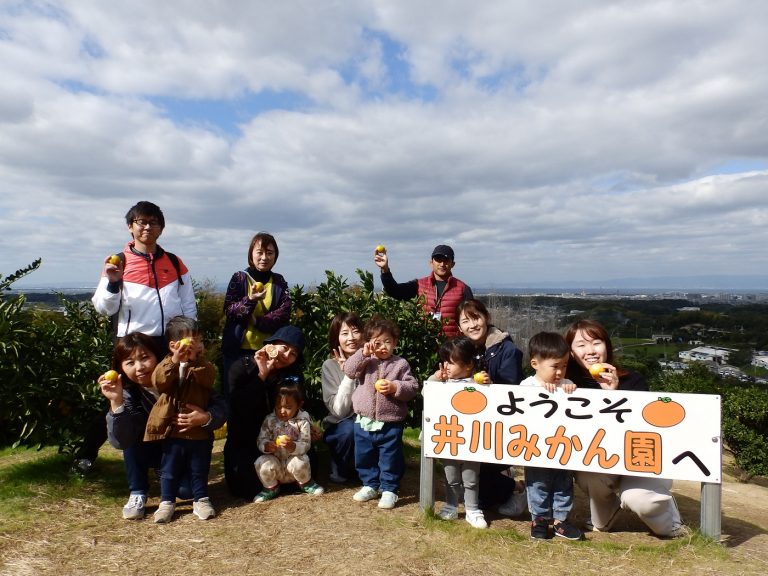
379	457
184	457
550	492
340	439
138	459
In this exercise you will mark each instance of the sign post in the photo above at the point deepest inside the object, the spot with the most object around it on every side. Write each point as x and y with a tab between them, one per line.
672	436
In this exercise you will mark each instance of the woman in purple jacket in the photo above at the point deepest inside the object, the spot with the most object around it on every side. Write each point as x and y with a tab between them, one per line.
257	303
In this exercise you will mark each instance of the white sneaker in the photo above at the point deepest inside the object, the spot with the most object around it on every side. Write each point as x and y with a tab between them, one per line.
448	512
388	500
134	508
515	505
164	512
202	509
365	493
476	519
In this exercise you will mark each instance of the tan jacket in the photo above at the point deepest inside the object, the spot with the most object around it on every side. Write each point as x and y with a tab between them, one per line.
175	394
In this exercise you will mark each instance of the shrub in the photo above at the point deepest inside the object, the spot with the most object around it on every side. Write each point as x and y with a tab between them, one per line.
744	413
49	363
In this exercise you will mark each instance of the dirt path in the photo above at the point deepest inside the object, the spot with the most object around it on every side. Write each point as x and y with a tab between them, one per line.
332	534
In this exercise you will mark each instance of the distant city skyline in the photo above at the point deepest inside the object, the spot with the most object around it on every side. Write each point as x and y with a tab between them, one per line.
550	143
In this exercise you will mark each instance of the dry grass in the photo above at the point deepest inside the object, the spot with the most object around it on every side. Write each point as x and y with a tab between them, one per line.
77	529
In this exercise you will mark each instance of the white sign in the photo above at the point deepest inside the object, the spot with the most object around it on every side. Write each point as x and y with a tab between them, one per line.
665	435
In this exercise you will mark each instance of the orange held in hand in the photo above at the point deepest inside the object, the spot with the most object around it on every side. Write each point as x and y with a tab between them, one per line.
479	378
271	351
185	342
258	287
379	384
114	259
282	440
110	375
596	369
380	249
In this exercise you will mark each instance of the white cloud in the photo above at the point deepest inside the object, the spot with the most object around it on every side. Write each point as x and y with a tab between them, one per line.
555	141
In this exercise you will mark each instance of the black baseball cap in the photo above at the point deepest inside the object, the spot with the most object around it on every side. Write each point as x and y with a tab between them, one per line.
444	251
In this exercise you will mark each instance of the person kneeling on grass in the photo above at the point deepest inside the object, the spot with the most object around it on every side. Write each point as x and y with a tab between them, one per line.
285	439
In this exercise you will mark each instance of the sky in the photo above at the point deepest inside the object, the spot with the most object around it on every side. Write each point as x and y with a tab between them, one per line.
549	141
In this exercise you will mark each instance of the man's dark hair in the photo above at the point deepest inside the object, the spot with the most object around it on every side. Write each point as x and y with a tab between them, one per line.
145	209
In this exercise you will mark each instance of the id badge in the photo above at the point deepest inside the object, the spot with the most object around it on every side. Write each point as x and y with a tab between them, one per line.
437	315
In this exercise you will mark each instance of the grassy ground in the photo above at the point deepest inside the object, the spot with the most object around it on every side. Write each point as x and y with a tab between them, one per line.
53	523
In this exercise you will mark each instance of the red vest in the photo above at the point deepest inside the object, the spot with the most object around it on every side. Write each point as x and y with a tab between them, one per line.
452	296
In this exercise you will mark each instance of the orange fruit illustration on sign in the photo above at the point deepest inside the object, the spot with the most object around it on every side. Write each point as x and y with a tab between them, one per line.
663	413
469	401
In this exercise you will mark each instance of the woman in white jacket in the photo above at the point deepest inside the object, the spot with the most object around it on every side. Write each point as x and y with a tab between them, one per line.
345	336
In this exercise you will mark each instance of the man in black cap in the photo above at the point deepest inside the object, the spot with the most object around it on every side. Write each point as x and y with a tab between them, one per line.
441	289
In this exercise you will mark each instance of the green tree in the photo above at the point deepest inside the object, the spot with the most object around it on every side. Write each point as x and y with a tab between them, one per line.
313	311
744	413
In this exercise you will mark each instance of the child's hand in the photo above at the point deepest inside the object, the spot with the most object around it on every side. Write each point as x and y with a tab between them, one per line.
289	446
440	374
549	387
385	387
369	349
185	350
569	388
270	447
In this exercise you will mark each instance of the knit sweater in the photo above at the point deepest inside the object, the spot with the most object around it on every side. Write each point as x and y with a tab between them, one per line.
366	401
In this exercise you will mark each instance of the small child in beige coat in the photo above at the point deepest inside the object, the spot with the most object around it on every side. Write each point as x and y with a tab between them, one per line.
285	439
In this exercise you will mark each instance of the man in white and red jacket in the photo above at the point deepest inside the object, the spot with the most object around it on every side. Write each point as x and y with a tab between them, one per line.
147	286
441	289
142	288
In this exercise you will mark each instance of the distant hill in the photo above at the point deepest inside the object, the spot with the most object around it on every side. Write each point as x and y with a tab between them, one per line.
652	283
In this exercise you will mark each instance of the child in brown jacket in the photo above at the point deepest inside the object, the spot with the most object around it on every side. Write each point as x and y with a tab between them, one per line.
184	380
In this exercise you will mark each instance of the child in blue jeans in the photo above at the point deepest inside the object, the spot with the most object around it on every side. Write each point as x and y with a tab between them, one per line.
550	490
183	378
381	405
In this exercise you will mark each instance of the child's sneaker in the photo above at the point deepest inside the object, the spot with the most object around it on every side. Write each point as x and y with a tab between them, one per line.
164	512
567	531
540	529
134	508
476	519
267	494
365	494
202	509
388	500
448	512
312	488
